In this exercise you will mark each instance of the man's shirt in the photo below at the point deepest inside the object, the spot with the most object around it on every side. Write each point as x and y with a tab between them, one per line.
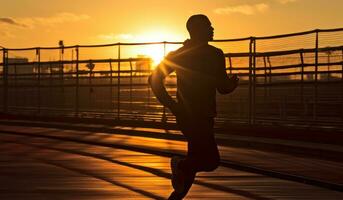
200	70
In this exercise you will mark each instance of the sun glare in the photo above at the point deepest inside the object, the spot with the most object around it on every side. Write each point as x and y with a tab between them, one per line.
157	52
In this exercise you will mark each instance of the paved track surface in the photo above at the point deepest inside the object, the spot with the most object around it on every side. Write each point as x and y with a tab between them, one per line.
46	168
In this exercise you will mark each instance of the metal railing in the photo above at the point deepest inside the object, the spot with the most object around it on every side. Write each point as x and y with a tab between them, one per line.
293	79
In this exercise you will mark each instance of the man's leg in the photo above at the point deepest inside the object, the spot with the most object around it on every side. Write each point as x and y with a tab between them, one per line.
202	152
189	179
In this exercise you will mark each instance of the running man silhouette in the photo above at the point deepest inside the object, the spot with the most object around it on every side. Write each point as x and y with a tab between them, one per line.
200	71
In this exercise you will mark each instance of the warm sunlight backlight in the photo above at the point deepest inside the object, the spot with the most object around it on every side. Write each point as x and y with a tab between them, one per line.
156	52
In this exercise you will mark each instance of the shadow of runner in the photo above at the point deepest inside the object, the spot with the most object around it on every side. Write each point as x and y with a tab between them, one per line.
153	171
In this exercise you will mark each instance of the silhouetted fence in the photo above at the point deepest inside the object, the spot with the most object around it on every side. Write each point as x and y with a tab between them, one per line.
292	80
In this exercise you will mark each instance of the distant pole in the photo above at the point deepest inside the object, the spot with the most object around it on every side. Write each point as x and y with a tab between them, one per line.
61	45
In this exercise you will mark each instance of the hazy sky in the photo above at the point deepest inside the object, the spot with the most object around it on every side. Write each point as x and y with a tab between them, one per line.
26	23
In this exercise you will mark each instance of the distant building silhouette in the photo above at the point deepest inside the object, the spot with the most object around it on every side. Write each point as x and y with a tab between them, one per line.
22	68
143	64
21	65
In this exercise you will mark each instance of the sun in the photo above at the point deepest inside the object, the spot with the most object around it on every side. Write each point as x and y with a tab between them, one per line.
157	52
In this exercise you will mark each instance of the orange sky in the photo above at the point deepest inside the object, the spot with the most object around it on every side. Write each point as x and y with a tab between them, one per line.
33	23
26	23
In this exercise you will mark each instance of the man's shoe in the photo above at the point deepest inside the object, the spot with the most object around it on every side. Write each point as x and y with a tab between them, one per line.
178	177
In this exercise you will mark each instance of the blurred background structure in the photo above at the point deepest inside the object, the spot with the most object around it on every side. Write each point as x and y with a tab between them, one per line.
286	80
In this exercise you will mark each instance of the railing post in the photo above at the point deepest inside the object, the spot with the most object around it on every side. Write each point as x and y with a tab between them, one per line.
254	81
90	86
270	69
164	116
230	65
328	74
61	75
265	83
265	69
61	72
302	65
251	79
15	101
39	79
131	80
111	83
77	50
51	102
342	86
118	84
249	85
302	81
5	79
270	76
316	77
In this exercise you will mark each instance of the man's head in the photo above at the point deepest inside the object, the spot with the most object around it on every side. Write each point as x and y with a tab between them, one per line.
200	28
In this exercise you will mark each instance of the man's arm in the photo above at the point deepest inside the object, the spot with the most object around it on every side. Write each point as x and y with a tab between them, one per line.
225	84
157	85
